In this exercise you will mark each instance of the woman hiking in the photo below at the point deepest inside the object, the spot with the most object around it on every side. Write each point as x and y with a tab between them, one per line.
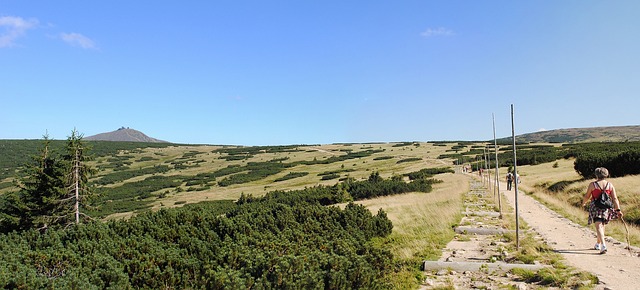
598	215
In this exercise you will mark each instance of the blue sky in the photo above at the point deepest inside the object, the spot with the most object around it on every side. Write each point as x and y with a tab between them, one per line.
316	72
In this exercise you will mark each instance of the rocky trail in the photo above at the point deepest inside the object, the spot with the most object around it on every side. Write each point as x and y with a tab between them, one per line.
478	258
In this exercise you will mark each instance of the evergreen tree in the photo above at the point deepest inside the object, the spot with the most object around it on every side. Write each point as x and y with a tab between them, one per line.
34	205
375	177
78	172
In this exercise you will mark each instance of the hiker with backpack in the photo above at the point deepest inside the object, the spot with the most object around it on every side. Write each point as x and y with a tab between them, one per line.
604	205
509	180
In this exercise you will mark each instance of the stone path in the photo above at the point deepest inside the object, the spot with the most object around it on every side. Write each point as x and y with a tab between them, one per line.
476	257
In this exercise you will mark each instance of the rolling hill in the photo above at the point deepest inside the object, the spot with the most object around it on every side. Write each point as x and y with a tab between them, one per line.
581	135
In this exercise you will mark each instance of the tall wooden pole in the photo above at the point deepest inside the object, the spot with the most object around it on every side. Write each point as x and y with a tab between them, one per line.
495	149
487	166
516	178
484	166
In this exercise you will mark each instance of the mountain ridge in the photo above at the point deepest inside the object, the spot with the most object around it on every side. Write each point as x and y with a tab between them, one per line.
582	135
124	135
628	133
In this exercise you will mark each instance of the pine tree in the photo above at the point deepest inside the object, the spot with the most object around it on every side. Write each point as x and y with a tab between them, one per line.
78	172
34	205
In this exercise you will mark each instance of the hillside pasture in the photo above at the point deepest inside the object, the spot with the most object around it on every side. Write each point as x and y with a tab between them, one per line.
212	172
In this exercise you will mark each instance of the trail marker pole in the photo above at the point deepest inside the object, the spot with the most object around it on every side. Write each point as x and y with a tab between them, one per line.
488	169
495	149
516	179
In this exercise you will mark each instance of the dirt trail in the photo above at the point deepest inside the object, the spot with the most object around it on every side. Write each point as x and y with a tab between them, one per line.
616	269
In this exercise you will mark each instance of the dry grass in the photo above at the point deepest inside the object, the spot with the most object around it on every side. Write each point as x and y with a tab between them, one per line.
422	221
422	225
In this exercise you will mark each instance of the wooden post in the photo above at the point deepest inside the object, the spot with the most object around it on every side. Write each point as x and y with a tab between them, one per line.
487	166
516	178
497	187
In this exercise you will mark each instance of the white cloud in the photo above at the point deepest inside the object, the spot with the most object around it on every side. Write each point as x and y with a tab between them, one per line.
77	39
542	130
12	27
439	31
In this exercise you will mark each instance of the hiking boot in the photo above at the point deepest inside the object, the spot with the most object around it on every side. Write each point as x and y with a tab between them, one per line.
597	247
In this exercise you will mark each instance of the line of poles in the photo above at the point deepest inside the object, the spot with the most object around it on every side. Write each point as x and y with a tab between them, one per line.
483	165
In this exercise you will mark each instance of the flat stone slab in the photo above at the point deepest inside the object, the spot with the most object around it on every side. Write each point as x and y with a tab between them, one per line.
477	193
482	213
481	231
476	204
475	266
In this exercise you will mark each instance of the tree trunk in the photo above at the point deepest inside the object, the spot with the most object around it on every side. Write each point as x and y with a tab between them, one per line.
76	177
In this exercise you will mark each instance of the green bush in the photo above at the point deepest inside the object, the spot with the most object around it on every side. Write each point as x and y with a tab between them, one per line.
256	245
292	175
409	160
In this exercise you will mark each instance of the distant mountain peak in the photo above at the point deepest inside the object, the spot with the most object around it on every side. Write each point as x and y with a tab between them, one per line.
124	134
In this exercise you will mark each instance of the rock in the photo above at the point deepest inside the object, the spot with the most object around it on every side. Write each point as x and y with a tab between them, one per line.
429	282
585	283
442	272
522	286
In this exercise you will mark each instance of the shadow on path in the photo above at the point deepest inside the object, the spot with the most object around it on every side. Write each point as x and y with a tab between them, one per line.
578	251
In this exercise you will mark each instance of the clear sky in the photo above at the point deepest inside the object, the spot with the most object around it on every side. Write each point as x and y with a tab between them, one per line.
316	72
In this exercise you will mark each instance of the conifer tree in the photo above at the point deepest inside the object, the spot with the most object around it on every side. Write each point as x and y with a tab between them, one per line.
78	172
35	204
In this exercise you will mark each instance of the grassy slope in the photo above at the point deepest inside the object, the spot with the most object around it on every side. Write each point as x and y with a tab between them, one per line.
575	135
204	159
359	168
422	221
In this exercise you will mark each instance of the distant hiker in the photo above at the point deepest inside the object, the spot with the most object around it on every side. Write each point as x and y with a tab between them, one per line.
509	180
601	215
